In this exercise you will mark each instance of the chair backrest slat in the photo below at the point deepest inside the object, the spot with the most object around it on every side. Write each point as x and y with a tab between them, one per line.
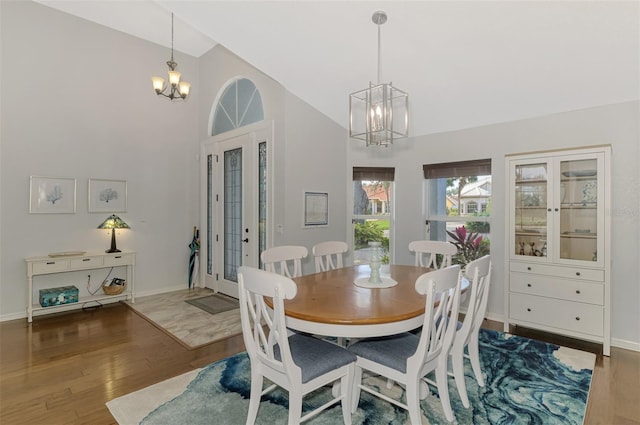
328	255
442	290
285	260
434	254
263	328
479	274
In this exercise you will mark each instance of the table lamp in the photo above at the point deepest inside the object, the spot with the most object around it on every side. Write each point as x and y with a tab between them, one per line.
113	222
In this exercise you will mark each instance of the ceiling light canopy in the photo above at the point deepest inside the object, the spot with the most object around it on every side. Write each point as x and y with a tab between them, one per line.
379	113
177	89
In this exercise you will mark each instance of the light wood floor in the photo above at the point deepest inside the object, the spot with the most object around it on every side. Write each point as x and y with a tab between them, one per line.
63	368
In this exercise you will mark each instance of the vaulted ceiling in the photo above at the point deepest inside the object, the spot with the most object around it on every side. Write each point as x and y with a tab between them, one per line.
464	63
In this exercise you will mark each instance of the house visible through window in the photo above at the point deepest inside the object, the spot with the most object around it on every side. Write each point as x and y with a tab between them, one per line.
458	196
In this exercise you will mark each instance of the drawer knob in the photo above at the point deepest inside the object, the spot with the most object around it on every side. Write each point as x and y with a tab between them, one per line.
577	291
528	285
577	273
578	318
118	256
528	309
529	268
86	259
51	262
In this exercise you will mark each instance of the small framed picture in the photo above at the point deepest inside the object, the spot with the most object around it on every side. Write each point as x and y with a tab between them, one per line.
52	195
316	209
107	196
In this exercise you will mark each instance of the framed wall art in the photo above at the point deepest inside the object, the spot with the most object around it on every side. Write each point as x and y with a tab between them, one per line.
316	209
52	195
107	196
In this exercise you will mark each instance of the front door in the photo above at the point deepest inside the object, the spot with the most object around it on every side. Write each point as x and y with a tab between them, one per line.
235	205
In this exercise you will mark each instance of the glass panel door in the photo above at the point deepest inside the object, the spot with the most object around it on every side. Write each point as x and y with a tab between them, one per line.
531	210
579	210
237	188
232	201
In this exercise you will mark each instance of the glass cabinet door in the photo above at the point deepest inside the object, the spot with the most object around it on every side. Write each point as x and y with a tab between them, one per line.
578	215
531	226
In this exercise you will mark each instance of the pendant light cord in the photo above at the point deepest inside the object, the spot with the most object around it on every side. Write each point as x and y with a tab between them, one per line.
379	59
172	37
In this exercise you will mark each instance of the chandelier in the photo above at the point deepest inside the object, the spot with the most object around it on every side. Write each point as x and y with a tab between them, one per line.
379	113
177	89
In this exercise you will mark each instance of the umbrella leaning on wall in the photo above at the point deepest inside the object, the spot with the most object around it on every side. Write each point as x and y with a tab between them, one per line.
194	246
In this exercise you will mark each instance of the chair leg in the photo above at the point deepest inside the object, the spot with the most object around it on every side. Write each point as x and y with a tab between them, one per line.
443	389
413	400
254	397
355	390
295	408
457	364
346	390
474	356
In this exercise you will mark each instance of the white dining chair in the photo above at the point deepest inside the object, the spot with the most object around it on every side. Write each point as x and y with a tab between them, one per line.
479	272
328	255
285	260
298	363
434	254
407	358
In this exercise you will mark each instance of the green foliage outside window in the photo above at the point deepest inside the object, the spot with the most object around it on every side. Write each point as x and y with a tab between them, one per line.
372	231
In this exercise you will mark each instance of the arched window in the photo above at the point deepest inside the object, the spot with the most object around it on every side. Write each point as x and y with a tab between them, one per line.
239	105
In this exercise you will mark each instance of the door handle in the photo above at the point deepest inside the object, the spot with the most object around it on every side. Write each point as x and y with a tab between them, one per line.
245	240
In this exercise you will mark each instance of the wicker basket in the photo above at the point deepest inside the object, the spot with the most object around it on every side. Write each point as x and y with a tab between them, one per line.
113	289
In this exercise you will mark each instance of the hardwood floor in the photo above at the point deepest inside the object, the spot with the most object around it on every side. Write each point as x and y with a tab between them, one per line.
63	368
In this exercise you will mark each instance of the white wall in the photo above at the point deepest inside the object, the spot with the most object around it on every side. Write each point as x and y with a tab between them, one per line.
614	124
77	101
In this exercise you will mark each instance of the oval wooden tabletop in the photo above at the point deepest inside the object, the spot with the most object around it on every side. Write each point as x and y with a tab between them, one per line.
331	297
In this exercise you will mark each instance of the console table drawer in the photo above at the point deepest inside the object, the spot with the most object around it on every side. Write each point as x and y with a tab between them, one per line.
51	266
88	262
568	315
118	260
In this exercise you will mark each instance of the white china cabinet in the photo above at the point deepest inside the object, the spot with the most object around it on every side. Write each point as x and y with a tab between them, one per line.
559	229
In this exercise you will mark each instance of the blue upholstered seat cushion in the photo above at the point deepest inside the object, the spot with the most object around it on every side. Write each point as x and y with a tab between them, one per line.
315	357
391	351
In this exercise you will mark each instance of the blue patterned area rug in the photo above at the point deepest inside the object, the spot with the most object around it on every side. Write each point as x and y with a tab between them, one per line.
527	382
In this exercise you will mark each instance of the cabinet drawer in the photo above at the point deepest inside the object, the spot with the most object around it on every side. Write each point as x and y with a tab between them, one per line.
558	271
50	266
568	315
118	260
85	262
566	289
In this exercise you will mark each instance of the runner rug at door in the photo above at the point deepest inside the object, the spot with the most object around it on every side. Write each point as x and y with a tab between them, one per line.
214	304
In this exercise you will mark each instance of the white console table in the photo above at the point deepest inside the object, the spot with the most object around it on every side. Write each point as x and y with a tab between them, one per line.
61	264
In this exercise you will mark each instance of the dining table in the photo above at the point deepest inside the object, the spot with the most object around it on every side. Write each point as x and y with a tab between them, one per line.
330	303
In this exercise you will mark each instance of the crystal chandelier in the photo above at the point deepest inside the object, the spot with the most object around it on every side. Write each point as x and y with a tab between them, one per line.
378	114
177	89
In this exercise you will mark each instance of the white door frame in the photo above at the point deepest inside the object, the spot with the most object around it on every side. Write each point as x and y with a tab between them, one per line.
255	133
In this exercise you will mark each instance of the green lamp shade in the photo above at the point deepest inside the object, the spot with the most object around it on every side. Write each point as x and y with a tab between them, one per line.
113	222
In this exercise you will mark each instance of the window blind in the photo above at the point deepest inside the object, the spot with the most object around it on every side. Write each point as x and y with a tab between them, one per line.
374	173
477	167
